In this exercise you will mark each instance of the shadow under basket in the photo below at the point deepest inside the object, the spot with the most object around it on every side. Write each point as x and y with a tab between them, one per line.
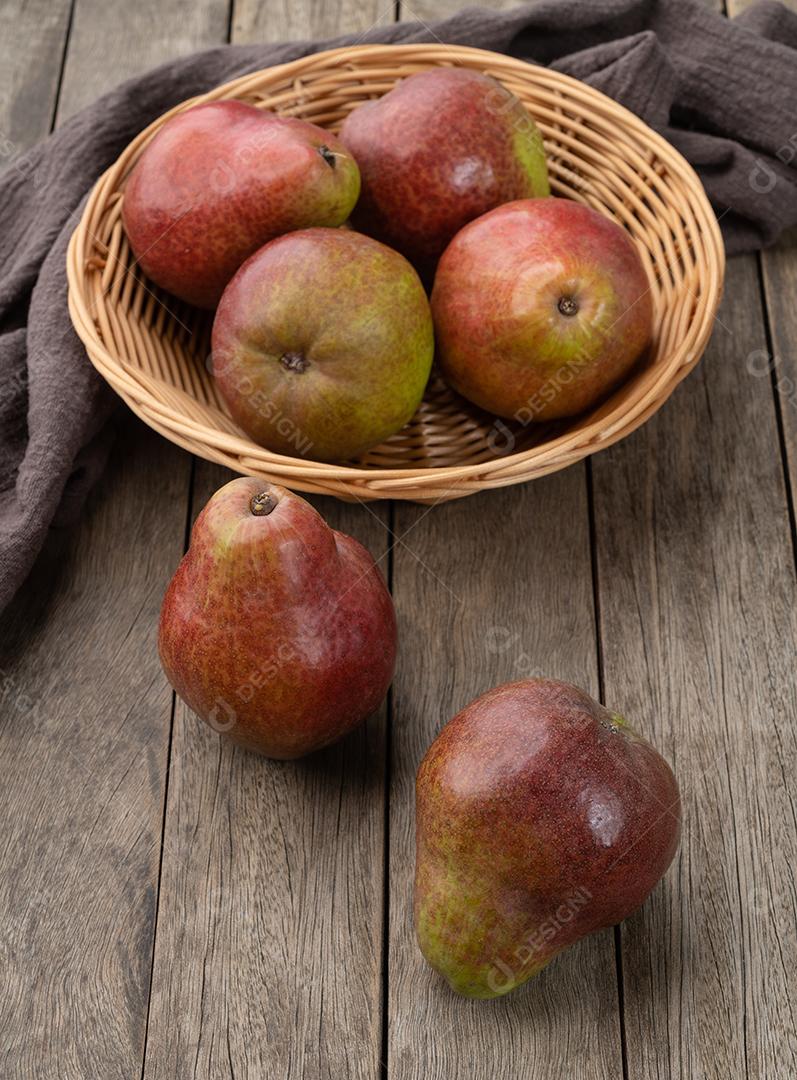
154	350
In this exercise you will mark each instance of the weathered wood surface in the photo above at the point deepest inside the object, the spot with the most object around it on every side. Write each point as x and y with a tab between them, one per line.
269	945
696	563
110	42
84	726
431	10
489	589
310	20
33	37
251	895
86	710
276	899
698	623
777	358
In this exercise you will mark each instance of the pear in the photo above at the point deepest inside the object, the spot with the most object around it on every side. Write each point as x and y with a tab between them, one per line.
323	344
540	308
276	630
541	817
221	179
441	148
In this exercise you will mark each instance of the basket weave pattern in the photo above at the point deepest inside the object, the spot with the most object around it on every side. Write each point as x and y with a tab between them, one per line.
154	350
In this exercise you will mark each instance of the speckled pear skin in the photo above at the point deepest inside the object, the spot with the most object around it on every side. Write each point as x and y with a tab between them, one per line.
438	150
541	817
220	180
323	344
504	340
276	629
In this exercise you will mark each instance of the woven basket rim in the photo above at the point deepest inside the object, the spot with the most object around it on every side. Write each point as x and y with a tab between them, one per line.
599	433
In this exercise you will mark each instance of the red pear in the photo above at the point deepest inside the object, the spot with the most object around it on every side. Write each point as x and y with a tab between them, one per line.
442	147
220	180
276	629
323	344
541	817
540	307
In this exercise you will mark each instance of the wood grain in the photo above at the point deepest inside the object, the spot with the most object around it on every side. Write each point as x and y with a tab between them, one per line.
434	10
489	589
778	360
86	710
34	39
111	42
83	740
698	622
307	20
269	944
270	932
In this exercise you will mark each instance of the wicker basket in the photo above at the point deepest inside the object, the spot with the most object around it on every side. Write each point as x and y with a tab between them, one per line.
153	349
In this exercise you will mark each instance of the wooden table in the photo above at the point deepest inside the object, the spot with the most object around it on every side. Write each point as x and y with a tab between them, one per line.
174	908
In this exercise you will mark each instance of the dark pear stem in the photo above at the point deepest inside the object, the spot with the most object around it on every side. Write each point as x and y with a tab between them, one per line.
328	156
262	504
567	305
295	361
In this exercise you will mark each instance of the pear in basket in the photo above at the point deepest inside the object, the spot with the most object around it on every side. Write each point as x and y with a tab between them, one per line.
218	181
540	307
441	148
322	344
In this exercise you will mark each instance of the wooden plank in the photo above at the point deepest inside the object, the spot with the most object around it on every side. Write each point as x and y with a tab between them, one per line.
308	20
429	11
698	622
83	738
34	38
779	360
85	708
779	274
111	42
489	589
514	612
269	945
735	7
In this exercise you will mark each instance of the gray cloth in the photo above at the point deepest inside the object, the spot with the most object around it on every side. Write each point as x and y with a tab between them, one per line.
721	91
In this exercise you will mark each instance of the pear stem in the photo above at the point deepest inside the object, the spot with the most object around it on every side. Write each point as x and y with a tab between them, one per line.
262	504
295	361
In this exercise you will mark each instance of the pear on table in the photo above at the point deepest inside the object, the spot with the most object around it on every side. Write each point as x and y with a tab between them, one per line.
541	817
276	629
